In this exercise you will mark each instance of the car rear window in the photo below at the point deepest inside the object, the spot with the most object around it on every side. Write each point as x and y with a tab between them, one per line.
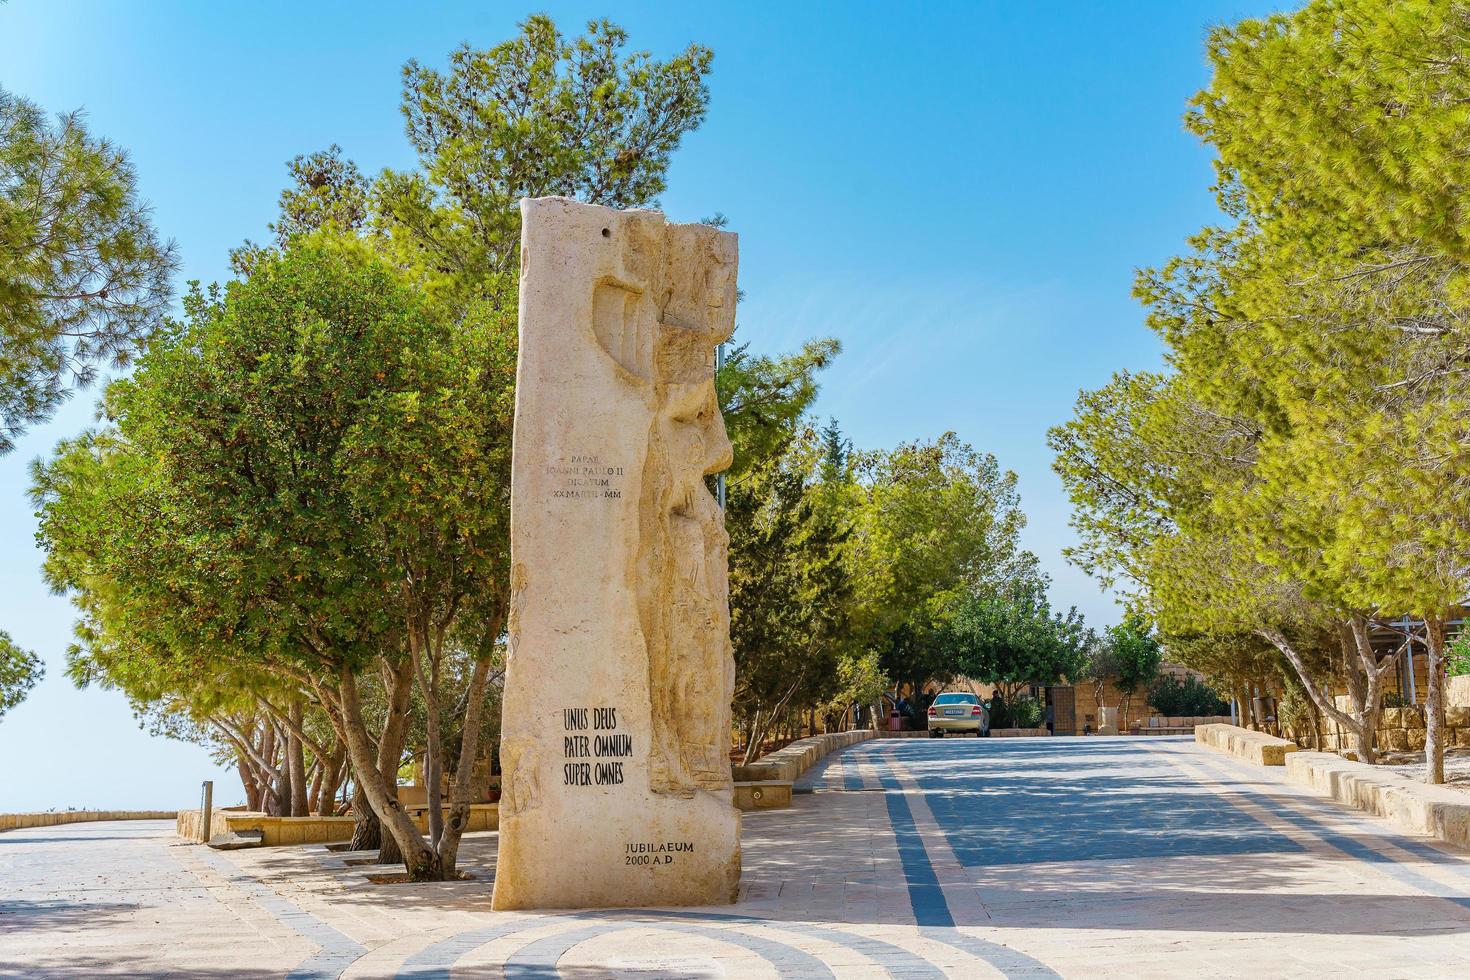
956	699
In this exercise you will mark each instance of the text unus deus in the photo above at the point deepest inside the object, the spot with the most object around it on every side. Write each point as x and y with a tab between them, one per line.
610	745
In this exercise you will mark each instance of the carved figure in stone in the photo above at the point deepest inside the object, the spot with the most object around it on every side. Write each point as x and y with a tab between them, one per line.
662	327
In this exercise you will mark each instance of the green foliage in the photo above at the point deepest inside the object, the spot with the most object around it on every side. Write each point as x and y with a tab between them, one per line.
1288	478
1345	120
790	591
1011	638
1294	710
327	192
1458	656
764	399
283	463
1174	697
933	522
84	279
20	670
1136	654
538	115
1024	711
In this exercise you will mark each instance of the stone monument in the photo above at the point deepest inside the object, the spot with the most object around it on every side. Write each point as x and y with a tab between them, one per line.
616	722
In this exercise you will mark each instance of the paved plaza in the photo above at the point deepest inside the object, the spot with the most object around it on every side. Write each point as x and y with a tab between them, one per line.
1085	857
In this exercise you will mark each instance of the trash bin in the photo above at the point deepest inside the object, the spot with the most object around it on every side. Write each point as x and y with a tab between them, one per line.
895	722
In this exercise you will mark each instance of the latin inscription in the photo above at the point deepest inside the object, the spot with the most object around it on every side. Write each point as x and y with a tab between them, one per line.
585	477
602	746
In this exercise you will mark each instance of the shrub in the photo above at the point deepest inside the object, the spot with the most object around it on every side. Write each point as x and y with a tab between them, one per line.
1457	656
1025	712
1189	697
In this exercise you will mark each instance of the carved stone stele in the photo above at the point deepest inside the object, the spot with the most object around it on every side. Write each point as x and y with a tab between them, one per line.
616	721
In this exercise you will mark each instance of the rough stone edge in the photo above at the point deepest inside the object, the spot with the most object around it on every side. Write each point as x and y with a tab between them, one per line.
1257	747
293	831
793	760
56	818
1419	808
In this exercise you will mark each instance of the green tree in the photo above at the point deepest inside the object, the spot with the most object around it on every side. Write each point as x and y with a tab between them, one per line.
765	397
1012	638
315	478
933	522
327	191
1136	656
84	278
538	115
1177	697
20	670
1344	121
790	592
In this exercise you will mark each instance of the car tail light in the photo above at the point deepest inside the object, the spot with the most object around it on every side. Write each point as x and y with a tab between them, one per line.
975	711
933	710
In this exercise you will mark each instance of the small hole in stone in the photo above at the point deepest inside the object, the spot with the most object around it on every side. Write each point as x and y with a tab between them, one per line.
606	233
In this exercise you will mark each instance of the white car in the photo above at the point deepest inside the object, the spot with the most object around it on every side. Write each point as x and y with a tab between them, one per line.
958	712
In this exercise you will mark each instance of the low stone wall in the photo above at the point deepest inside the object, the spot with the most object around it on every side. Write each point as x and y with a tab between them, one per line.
187	823
1457	691
279	831
789	763
1419	808
1435	811
55	818
1188	723
1399	730
1019	733
1257	747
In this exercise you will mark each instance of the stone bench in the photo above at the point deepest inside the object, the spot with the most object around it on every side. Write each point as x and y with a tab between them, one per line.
1257	747
1411	805
767	784
763	794
281	831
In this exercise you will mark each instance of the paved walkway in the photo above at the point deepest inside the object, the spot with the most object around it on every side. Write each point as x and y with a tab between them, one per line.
1077	857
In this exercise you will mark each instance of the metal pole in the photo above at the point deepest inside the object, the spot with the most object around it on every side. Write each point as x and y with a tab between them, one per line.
720	478
206	814
1409	650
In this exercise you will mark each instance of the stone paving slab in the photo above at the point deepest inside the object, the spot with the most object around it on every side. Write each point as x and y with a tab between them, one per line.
1079	857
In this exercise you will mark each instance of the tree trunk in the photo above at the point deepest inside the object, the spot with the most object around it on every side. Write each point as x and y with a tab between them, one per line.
434	747
248	780
296	764
326	800
1434	714
1365	682
420	860
461	789
367	830
399	681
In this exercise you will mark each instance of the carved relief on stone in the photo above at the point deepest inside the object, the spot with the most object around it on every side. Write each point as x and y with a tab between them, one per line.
620	675
663	331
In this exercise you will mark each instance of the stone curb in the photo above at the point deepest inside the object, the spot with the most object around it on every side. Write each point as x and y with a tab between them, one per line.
789	763
1257	747
1420	808
282	831
19	821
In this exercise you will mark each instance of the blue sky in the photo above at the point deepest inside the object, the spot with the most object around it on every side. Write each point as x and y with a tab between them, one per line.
960	192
